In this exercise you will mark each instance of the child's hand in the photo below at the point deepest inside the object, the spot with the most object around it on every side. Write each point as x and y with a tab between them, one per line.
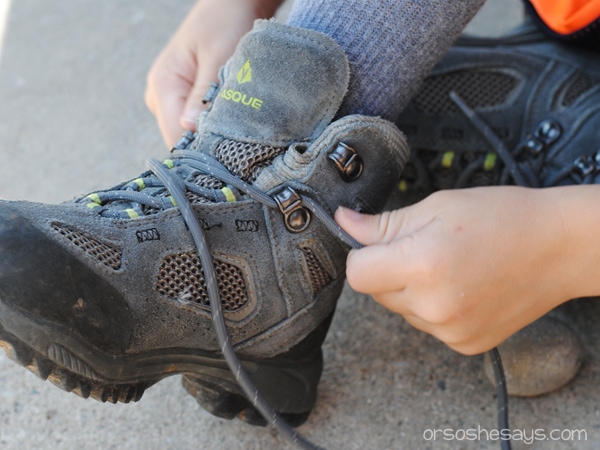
470	267
182	73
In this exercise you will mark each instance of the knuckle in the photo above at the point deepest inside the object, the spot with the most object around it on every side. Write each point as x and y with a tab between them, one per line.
429	267
156	77
354	274
440	308
149	100
433	312
151	77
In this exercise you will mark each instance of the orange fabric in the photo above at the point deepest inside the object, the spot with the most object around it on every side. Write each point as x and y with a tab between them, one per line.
567	16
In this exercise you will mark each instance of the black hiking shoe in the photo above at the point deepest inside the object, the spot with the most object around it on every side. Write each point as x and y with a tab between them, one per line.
525	111
106	295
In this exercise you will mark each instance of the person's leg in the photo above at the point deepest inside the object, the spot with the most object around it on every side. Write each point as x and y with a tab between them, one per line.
391	44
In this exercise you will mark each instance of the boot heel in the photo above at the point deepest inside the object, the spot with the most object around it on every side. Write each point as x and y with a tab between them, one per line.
289	386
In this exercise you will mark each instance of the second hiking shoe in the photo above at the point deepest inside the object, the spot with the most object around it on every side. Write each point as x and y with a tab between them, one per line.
521	109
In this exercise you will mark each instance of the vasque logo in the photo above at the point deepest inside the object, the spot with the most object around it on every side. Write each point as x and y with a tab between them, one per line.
239	97
244	75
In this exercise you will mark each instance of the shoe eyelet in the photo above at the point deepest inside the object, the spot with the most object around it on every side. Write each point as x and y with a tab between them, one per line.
348	162
297	218
548	131
584	165
534	145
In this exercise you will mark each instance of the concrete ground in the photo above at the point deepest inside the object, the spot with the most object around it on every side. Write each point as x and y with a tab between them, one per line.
72	119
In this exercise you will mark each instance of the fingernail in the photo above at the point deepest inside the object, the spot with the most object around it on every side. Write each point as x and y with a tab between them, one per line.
191	115
351	214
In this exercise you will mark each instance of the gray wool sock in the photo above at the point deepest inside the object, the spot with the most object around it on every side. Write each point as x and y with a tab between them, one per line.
391	44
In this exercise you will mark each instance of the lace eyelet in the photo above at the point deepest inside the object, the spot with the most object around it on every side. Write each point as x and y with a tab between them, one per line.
348	162
584	165
548	131
297	218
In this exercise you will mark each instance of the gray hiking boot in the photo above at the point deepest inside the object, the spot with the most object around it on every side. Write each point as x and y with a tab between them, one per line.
524	110
106	295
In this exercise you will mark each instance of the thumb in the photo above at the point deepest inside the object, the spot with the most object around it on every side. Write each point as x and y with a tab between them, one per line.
370	229
194	106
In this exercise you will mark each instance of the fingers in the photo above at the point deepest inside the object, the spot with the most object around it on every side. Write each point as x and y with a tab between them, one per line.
193	107
377	268
207	74
370	229
183	72
165	97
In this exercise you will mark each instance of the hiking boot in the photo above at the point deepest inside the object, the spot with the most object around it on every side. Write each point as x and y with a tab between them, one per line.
526	112
523	110
541	358
106	295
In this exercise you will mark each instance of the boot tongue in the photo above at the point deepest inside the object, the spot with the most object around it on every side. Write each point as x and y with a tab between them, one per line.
283	84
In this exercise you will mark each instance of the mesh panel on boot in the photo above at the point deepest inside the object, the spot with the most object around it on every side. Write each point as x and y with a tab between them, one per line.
581	84
206	181
245	160
478	89
105	254
180	277
319	277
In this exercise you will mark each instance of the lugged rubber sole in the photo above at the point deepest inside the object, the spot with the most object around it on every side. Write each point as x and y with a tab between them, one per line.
63	378
288	381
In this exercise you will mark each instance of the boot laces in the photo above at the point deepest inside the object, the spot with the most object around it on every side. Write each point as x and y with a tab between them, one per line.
167	185
522	166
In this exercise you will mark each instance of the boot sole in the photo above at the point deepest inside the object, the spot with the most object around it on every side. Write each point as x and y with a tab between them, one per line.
288	381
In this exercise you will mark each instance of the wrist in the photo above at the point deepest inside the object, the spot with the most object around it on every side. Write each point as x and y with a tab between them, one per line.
578	242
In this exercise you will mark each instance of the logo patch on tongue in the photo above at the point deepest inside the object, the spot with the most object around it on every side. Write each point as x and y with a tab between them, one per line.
245	73
243	76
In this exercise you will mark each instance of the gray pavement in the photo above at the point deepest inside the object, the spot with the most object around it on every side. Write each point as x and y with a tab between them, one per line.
72	119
